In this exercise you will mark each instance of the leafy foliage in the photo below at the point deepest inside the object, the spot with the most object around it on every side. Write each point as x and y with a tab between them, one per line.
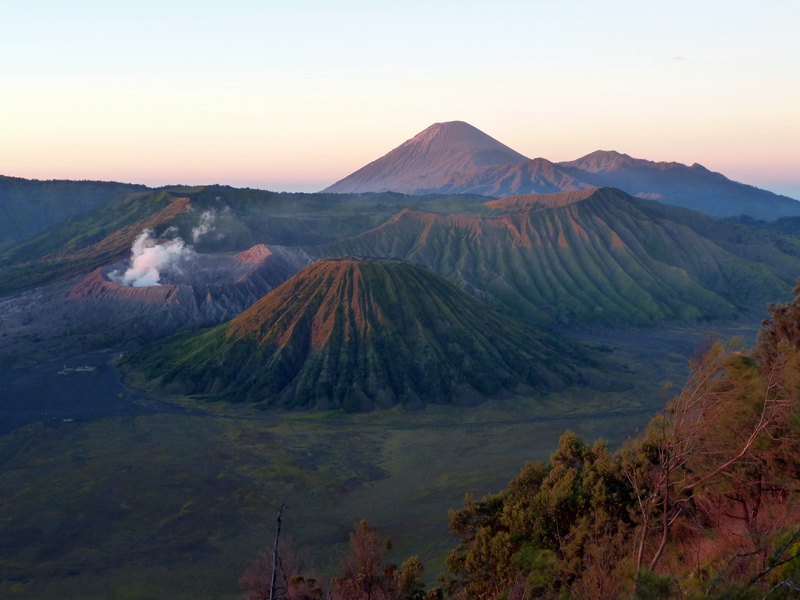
366	575
702	504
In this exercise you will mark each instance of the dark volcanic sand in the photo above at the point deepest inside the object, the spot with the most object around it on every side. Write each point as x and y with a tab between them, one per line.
40	394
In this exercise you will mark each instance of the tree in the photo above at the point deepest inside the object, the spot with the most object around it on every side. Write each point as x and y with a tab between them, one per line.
291	582
716	455
560	528
365	574
703	501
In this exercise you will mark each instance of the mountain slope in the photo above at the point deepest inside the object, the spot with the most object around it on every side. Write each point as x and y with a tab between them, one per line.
693	187
593	256
457	158
355	333
537	176
238	219
29	206
73	248
425	162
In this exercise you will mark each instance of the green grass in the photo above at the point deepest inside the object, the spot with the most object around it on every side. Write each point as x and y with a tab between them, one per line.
177	506
173	506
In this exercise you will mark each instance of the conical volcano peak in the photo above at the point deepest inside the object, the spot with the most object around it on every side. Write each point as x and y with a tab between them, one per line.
456	137
357	333
425	162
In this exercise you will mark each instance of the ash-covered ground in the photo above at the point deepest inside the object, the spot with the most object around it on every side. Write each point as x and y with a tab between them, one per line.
73	389
94	312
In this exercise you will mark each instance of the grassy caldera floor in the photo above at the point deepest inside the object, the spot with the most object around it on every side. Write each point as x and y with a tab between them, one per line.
177	505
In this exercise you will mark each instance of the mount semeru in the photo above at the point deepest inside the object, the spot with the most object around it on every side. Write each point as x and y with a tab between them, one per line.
457	158
359	333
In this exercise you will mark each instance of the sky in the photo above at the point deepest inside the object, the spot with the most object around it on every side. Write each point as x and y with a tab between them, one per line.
296	95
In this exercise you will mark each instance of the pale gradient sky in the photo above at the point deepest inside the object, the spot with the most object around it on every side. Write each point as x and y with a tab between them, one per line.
295	95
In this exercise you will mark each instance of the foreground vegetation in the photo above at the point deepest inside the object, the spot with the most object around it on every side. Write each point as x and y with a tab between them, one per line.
702	504
177	505
173	506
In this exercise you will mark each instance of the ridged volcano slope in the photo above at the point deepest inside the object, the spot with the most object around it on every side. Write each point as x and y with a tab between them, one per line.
241	219
354	333
593	256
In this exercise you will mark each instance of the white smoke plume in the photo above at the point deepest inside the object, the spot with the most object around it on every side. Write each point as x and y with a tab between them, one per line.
149	261
205	226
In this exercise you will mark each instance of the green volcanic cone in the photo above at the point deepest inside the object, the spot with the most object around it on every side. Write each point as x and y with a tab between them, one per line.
356	333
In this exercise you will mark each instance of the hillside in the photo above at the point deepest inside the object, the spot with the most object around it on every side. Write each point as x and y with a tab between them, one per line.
425	162
29	206
595	256
358	333
232	220
702	503
87	242
537	176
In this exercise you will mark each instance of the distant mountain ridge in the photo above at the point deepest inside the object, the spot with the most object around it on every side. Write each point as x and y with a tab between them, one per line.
592	256
459	166
537	176
694	187
29	206
604	161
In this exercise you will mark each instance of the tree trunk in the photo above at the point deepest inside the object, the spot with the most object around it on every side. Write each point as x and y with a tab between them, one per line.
275	555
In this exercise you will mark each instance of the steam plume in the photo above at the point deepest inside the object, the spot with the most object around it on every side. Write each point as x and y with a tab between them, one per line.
206	224
149	261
